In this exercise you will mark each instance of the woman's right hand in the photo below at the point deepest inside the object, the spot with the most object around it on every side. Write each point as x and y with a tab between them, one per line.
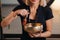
22	12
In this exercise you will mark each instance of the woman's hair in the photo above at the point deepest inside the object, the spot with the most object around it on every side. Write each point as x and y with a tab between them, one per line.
20	2
41	2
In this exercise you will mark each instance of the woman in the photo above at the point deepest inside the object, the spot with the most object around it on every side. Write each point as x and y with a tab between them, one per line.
34	9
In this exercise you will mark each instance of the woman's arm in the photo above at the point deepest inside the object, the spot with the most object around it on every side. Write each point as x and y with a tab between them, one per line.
49	29
12	16
6	21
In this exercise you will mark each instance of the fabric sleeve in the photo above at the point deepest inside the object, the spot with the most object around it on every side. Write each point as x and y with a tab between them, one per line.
48	13
49	3
16	8
19	7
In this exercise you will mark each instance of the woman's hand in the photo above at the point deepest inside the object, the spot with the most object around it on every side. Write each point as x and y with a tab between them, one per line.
22	12
45	34
34	35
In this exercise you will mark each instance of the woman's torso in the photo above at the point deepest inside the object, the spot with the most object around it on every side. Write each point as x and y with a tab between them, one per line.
39	19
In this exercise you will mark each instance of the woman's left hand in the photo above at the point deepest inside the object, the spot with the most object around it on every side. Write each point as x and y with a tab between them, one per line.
45	34
34	35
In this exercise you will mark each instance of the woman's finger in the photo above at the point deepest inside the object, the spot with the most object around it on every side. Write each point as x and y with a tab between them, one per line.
31	35
36	35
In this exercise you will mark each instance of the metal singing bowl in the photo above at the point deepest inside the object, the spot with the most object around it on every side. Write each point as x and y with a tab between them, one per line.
33	27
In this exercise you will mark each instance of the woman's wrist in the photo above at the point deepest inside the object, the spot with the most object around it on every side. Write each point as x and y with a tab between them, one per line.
15	14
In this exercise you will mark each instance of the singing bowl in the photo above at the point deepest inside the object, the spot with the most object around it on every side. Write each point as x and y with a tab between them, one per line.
33	27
